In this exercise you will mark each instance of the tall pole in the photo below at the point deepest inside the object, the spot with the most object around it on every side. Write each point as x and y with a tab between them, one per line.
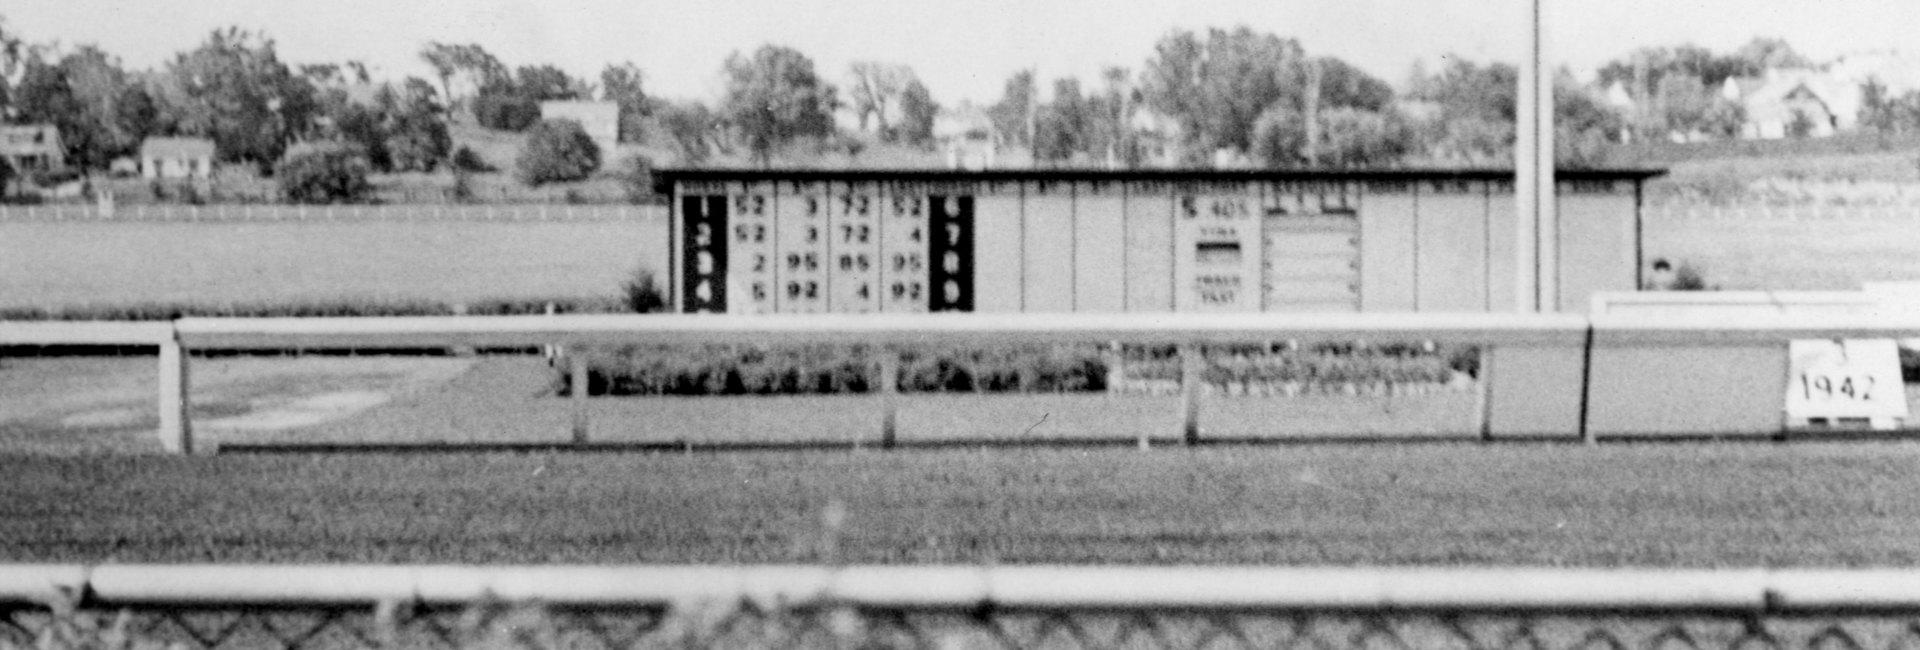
1536	238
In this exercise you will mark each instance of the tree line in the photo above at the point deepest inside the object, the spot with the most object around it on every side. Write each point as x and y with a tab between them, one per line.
1247	96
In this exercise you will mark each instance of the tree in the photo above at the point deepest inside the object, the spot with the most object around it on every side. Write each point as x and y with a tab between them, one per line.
621	84
875	86
557	151
1683	104
1064	124
471	64
546	82
100	87
774	97
1012	115
234	89
325	172
13	52
691	127
917	112
1216	88
417	138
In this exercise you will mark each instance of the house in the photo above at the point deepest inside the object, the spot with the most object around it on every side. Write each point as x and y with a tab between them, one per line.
32	148
965	134
176	158
600	119
1806	103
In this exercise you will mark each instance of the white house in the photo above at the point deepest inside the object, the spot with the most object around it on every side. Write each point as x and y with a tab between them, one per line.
176	158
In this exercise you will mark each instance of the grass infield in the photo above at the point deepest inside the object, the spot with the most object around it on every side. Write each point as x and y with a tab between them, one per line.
1694	505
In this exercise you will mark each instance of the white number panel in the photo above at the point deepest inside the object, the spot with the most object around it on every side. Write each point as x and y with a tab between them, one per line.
903	249
803	248
854	276
752	267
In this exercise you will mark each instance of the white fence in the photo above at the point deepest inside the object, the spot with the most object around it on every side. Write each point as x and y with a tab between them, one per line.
1552	376
350	606
1664	212
241	212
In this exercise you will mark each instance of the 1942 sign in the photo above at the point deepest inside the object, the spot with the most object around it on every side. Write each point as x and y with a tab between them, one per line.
1845	380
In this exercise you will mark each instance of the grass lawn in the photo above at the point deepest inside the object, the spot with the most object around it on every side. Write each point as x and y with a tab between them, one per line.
52	264
1833	255
1466	504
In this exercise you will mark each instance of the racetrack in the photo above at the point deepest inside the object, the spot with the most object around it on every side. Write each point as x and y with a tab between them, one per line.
1440	504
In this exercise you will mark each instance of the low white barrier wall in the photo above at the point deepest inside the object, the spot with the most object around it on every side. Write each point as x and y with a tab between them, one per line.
1552	375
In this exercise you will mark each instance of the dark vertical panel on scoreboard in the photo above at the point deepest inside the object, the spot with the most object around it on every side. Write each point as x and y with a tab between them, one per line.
950	251
704	223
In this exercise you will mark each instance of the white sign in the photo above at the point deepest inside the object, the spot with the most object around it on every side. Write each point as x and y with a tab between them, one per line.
1218	264
1845	379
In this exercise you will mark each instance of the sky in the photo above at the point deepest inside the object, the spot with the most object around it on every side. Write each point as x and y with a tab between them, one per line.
962	49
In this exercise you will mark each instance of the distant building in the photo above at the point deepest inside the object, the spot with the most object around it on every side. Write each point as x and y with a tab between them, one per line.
176	158
32	148
600	119
1785	100
966	136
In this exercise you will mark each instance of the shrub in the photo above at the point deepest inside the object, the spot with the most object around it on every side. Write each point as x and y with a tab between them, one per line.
505	111
465	159
643	292
638	180
557	151
324	173
1688	278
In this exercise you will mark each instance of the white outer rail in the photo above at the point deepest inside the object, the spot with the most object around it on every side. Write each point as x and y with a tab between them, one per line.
1554	353
1056	587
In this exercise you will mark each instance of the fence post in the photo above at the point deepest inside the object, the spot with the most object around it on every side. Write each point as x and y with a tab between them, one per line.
1192	366
1483	394
577	393
888	382
176	431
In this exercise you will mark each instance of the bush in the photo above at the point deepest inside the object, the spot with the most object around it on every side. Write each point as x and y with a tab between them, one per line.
557	151
638	180
643	293
505	110
324	173
466	160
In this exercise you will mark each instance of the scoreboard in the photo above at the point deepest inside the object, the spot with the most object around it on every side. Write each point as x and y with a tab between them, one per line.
902	241
799	247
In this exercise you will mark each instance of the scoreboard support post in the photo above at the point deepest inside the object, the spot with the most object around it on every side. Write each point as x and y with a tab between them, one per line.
1192	370
577	393
888	379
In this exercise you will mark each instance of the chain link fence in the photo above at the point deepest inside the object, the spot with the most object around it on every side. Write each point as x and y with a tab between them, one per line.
210	606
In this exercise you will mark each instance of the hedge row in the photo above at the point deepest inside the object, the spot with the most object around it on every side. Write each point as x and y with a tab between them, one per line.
826	369
322	308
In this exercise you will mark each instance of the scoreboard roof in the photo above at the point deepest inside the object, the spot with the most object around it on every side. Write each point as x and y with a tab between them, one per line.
664	179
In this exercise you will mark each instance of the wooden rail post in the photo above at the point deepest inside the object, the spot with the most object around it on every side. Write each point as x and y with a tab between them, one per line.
888	385
1192	367
577	385
176	430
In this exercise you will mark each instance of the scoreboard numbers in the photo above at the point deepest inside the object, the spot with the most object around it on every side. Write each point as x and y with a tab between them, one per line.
704	237
854	231
903	249
950	252
803	246
796	247
752	264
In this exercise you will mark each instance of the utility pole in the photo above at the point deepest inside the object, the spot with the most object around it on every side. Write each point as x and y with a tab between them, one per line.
1536	239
